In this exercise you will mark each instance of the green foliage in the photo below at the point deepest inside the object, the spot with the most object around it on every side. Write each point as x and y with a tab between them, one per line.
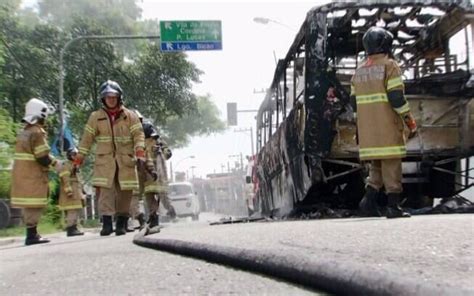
44	227
7	128
7	140
203	121
158	84
53	185
119	15
52	215
164	86
91	223
29	68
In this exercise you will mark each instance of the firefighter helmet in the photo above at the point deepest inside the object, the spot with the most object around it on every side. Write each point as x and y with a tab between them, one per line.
71	153
377	40
36	110
150	131
108	87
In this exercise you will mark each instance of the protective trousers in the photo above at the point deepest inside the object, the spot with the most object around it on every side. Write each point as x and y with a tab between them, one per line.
388	173
137	194
72	217
152	203
135	206
114	200
31	216
163	198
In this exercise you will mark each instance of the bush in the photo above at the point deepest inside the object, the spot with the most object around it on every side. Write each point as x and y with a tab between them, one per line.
5	183
7	140
52	215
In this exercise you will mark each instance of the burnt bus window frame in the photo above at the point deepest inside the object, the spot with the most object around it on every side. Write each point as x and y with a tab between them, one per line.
322	58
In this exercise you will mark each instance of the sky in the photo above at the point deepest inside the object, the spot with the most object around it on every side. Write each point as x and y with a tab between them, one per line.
237	73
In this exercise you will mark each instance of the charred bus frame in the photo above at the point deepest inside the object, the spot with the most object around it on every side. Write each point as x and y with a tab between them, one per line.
306	143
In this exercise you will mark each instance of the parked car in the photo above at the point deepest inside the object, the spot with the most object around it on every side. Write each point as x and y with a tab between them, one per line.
184	199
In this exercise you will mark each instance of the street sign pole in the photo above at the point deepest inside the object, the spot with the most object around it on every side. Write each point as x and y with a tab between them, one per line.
61	71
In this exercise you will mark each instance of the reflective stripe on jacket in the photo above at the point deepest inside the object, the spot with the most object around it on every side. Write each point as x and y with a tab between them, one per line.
29	177
156	158
116	146
379	124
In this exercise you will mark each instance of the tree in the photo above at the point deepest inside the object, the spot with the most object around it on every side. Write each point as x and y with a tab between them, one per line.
7	140
119	16
158	84
29	68
204	121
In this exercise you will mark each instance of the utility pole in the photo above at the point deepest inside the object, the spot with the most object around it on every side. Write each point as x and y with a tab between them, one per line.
243	130
171	171
61	71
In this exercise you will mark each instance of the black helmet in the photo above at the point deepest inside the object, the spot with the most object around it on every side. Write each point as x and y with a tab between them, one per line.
110	87
377	40
71	152
150	131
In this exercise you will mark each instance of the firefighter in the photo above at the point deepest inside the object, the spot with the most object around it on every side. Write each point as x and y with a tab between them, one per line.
378	91
30	169
118	133
137	195
70	196
155	186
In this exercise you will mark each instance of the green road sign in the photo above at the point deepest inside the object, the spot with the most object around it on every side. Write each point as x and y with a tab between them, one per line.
190	35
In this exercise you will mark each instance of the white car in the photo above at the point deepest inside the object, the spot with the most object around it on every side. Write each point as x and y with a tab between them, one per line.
184	199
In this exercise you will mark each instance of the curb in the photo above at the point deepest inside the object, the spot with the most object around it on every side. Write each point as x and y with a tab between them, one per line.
323	275
60	234
10	240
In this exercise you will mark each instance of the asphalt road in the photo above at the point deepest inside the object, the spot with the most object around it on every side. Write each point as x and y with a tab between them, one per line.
94	265
436	251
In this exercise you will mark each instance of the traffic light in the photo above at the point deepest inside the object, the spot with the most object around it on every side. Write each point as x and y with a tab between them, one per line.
231	114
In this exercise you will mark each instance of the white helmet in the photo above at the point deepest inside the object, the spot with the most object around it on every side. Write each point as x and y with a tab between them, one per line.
36	109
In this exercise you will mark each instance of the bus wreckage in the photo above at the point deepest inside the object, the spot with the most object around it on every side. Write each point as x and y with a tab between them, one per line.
306	131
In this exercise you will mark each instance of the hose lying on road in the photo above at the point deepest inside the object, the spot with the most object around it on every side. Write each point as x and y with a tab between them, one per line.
328	276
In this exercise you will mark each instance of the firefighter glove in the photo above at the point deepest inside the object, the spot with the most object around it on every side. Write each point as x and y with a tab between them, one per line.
78	159
58	166
140	155
411	124
154	175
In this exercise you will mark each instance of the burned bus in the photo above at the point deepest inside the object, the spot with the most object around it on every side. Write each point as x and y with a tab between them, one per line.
306	130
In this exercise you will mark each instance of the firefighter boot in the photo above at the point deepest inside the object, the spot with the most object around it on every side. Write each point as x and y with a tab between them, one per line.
393	209
368	204
33	238
120	225
141	221
106	226
153	221
73	231
172	212
126	226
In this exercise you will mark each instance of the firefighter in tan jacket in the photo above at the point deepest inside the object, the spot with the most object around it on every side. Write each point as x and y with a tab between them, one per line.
382	110
30	169
118	134
70	195
156	184
137	195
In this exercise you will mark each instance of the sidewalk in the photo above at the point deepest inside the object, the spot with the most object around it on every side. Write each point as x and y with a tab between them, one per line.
432	254
20	240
